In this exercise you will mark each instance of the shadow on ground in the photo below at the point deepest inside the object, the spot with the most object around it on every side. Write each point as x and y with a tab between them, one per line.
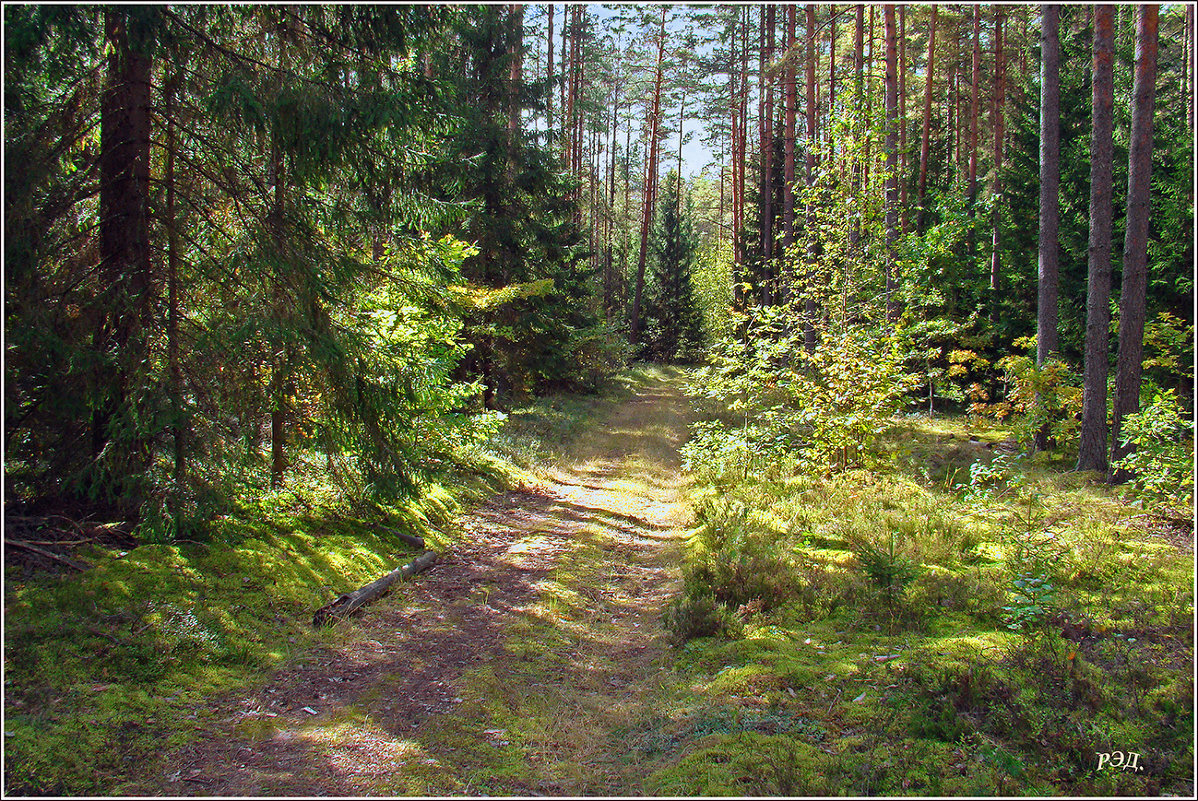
510	667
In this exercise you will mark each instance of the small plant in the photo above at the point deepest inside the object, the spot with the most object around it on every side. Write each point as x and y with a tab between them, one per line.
1033	605
888	570
987	478
1162	464
695	613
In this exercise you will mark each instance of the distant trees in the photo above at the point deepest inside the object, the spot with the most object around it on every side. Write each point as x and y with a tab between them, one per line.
244	241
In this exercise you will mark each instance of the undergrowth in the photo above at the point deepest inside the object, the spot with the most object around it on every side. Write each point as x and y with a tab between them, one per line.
107	670
958	620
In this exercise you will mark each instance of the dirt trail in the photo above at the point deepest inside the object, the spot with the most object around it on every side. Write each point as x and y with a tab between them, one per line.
514	666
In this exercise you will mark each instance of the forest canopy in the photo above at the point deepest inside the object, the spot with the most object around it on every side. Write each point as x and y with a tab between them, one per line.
247	246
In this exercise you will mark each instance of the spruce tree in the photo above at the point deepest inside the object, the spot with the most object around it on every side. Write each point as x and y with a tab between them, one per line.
674	324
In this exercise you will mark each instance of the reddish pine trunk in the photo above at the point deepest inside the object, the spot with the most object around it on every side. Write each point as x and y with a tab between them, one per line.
859	110
809	306
1000	73
1092	453
974	85
1050	175
869	99
174	369
902	115
831	78
812	140
924	145
1135	243
788	158
650	184
891	144
767	154
548	75
124	231
516	70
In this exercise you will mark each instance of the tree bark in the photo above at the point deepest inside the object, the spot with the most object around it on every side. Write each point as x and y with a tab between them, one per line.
650	183
174	370
549	88
831	80
1135	243
869	103
278	426
891	143
788	157
975	84
859	128
120	340
925	142
1000	74
346	604
515	70
809	306
767	156
902	115
1050	177
1092	451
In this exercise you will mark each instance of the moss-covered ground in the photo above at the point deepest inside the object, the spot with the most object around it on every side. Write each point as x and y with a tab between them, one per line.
1040	621
536	658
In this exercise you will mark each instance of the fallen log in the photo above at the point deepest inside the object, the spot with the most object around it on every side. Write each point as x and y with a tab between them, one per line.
410	539
347	603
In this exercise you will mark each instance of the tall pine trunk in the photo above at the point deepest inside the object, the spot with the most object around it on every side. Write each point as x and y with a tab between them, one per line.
809	306
788	154
174	370
925	142
549	79
1092	451
1135	243
767	158
1000	74
650	174
902	115
120	339
891	144
1050	178
974	87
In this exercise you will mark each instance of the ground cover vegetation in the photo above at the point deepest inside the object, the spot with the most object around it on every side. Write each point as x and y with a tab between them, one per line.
884	599
283	281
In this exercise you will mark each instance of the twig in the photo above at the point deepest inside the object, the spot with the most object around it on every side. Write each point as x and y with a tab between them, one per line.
835	699
45	553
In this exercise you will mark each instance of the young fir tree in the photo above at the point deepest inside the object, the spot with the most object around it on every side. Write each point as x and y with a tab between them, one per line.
674	323
534	323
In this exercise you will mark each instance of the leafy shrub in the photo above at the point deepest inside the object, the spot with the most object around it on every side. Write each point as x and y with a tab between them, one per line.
986	478
829	405
1162	464
1033	604
1049	395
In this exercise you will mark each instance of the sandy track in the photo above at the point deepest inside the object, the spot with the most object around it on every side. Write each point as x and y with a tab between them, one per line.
510	667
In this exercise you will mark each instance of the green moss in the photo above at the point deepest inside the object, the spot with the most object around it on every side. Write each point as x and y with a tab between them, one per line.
936	695
143	633
745	764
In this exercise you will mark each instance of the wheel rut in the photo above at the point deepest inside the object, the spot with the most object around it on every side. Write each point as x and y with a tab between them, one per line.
510	667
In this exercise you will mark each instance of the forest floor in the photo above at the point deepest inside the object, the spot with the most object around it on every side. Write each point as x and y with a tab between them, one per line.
516	665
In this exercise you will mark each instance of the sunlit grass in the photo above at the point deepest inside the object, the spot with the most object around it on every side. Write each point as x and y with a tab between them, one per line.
827	644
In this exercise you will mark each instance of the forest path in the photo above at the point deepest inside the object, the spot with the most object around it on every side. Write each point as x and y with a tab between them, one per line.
516	665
